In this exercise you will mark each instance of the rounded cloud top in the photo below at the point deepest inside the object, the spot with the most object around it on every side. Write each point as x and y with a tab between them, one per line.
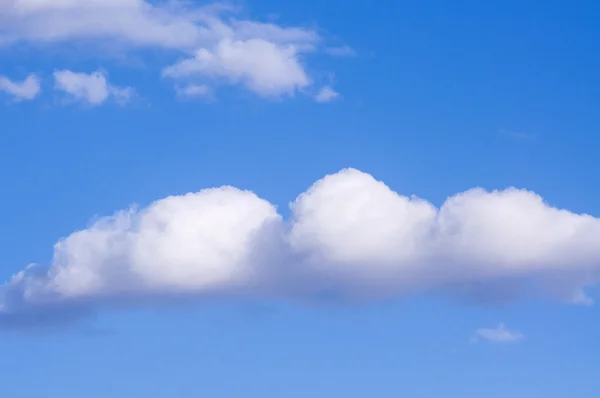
348	232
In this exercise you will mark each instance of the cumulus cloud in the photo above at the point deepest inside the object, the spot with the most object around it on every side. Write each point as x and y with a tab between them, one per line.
498	335
326	94
27	89
213	45
266	68
349	235
92	88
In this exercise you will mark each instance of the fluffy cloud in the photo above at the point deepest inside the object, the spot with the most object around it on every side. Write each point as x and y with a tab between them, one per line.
28	89
91	88
266	68
349	235
498	335
213	44
326	94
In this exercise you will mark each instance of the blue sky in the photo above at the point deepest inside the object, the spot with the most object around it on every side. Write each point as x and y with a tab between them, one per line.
354	290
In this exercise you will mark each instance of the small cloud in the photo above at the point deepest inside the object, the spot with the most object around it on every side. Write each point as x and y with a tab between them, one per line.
28	89
92	88
327	94
341	51
122	95
498	335
579	297
193	91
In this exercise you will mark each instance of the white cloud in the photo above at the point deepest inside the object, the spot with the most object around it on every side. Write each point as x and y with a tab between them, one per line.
214	44
92	88
266	68
326	94
499	335
349	234
130	22
28	89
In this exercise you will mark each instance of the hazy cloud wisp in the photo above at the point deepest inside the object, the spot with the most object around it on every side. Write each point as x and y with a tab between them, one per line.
326	94
27	89
498	335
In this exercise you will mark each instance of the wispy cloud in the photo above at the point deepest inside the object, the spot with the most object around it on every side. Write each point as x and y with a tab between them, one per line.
194	91
341	51
326	94
498	335
27	89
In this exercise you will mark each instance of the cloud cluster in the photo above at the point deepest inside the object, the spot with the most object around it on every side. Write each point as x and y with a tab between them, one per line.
93	88
349	236
214	46
25	90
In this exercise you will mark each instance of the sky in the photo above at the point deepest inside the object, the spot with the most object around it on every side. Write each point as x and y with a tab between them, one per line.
302	198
